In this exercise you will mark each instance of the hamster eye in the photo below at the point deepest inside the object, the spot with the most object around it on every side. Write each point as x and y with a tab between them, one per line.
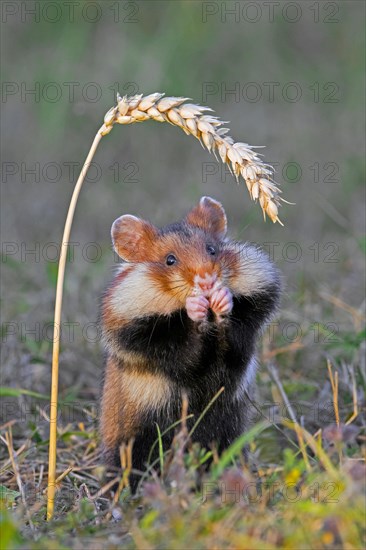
211	249
171	259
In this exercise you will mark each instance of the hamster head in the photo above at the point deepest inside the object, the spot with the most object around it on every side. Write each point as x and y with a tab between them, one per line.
183	259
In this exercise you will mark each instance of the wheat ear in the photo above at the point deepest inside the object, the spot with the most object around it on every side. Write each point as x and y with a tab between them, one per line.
209	130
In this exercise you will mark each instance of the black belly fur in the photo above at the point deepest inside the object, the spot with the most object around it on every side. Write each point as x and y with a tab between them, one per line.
198	363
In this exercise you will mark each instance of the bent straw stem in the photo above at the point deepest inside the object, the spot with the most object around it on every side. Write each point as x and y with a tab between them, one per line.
209	130
51	489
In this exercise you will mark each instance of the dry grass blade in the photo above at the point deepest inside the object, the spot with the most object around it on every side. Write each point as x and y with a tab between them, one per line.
272	369
13	455
334	384
126	464
316	448
354	397
209	130
357	314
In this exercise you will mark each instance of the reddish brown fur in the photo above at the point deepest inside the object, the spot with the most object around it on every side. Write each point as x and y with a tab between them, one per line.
112	428
133	238
179	281
209	216
129	391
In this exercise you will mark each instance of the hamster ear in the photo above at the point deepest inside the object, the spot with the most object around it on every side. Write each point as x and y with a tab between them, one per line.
210	216
133	238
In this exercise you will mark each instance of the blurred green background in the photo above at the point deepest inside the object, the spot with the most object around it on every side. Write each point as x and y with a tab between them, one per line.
287	75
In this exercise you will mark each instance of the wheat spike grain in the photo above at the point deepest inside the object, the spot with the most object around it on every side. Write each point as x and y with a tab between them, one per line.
209	130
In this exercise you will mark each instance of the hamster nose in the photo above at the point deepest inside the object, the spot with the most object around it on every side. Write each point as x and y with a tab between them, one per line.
206	282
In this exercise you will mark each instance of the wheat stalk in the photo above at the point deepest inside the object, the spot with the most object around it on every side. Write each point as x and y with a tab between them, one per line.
209	130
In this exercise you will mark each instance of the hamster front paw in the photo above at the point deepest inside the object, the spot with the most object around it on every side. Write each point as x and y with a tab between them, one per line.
221	301
197	307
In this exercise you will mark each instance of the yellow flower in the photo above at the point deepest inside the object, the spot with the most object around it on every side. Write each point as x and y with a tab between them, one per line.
327	537
293	476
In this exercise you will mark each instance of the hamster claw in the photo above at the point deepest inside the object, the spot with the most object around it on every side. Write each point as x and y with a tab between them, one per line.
221	302
197	308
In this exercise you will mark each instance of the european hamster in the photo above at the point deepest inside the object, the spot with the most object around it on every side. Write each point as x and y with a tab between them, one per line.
182	316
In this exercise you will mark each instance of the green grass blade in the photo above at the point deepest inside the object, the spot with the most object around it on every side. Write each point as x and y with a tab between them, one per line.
205	411
236	448
17	392
161	451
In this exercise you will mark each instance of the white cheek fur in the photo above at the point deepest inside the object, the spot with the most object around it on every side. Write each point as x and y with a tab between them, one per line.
138	295
255	272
